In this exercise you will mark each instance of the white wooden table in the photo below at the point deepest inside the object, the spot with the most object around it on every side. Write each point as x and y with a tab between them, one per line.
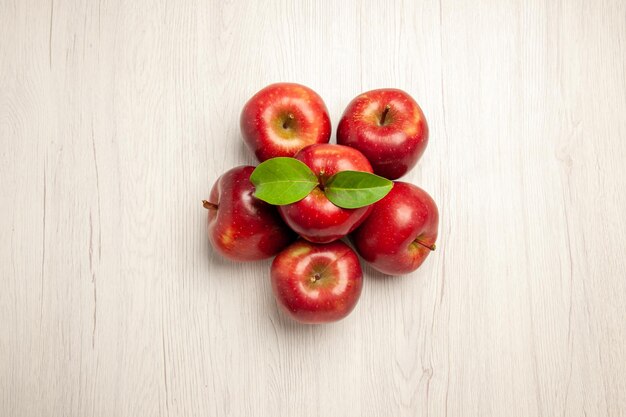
116	117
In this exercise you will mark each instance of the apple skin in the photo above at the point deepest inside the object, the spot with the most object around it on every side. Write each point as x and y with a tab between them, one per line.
400	232
393	147
242	227
314	217
283	118
316	283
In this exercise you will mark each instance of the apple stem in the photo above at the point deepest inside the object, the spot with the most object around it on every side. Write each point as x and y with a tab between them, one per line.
287	123
419	242
209	206
384	115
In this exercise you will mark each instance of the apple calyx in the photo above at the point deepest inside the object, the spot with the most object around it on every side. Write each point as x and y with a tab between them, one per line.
208	205
431	247
383	116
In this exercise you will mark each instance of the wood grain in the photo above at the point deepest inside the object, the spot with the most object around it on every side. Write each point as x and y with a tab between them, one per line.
116	117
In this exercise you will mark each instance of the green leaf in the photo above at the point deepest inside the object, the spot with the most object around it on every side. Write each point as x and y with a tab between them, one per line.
281	181
354	189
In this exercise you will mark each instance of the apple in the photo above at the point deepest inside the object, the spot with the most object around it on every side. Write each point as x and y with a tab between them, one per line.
242	227
400	232
388	127
316	283
283	118
315	217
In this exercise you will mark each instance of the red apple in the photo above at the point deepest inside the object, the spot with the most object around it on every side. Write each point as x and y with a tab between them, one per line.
388	127
400	232
315	218
317	283
242	227
283	118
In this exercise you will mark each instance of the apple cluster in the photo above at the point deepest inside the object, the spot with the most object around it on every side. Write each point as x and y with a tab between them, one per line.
306	195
